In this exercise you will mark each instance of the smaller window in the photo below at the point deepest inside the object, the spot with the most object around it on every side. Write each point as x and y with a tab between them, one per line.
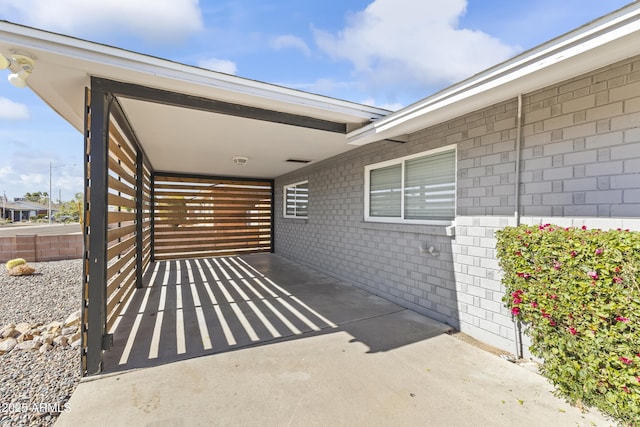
296	200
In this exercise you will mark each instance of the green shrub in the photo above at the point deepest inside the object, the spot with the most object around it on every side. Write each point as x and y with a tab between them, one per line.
578	292
14	262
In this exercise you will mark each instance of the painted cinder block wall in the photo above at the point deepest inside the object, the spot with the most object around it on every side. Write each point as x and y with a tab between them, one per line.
580	165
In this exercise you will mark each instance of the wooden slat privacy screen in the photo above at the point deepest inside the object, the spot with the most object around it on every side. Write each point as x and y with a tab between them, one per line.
202	217
121	221
128	228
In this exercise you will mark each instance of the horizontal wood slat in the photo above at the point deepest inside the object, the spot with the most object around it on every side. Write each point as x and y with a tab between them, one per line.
118	154
113	217
210	217
117	233
122	141
121	276
119	201
121	172
121	247
207	254
211	235
163	179
113	316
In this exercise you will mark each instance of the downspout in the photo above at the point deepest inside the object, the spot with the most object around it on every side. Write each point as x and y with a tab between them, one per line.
518	148
518	325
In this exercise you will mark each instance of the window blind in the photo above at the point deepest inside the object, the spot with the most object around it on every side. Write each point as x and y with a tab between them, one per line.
385	191
297	200
430	185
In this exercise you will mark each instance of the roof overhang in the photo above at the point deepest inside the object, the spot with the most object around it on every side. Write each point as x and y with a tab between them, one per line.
242	117
602	42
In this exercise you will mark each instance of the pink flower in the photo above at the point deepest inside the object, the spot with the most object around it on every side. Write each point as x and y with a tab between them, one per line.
573	254
593	275
553	296
617	280
622	319
638	379
515	311
617	269
517	300
584	227
557	265
626	389
518	253
573	331
552	322
534	304
625	360
599	251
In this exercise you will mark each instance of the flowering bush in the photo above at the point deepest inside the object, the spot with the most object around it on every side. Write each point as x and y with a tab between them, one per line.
578	292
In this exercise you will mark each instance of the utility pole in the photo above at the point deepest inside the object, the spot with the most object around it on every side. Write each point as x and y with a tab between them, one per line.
50	167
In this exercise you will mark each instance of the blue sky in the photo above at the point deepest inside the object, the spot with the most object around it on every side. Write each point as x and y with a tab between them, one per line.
388	53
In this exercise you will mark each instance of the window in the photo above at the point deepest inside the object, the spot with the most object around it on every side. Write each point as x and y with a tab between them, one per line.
296	200
419	189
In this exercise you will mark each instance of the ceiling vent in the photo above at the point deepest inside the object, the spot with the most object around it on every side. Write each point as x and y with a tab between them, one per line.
240	161
298	161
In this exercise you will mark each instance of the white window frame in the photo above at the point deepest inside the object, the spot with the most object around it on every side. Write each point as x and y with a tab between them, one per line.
401	161
284	200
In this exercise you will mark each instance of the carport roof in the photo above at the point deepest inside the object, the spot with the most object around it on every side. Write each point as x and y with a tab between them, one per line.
266	123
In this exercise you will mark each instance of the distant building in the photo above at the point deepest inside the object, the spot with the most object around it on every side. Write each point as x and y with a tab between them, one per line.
21	210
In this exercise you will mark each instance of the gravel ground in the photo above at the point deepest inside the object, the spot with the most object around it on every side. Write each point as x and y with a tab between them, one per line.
34	387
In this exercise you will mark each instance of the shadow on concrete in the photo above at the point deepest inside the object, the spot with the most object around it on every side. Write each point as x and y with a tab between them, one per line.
195	307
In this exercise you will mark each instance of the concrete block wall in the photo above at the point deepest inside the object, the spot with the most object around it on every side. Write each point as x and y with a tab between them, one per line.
580	165
581	147
35	248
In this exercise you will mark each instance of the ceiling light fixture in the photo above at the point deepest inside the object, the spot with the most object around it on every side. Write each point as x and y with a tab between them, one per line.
22	63
240	161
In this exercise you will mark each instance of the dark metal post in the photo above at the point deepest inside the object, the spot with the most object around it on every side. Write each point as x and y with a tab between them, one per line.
139	216
153	216
97	227
273	216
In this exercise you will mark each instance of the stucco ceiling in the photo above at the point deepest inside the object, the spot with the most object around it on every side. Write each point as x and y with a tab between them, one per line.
179	139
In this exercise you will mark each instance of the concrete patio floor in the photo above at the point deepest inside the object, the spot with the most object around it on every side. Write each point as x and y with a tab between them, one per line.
382	365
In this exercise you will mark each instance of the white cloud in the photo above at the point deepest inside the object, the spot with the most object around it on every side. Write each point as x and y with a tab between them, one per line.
412	44
290	42
221	65
10	110
34	180
5	172
159	20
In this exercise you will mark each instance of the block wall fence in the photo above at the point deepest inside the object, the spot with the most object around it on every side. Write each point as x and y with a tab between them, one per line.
34	248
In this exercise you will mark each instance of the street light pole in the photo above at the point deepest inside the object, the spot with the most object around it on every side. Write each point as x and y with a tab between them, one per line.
50	167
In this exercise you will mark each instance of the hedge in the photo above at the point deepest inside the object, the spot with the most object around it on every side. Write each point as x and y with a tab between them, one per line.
578	293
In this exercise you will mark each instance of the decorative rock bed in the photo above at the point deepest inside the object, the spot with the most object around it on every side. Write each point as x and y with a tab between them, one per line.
39	342
35	336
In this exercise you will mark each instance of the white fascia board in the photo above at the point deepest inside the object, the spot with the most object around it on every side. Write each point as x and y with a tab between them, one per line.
525	72
101	54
